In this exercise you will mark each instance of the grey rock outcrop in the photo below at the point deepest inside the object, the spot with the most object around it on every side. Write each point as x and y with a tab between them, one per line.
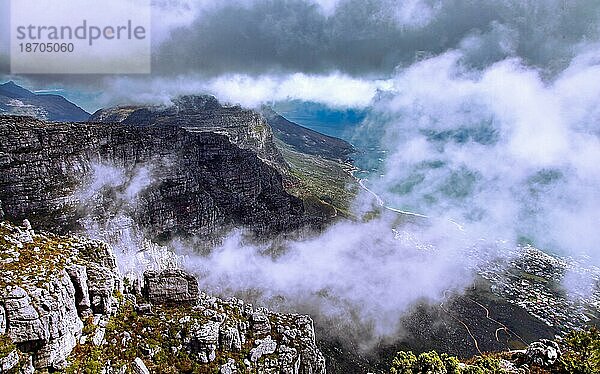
44	308
204	340
78	275
212	329
2	320
544	353
228	368
170	287
245	128
9	362
260	324
263	347
138	366
280	343
49	331
230	339
43	301
25	322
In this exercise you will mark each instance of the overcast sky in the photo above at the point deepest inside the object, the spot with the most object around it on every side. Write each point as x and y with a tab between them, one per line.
235	45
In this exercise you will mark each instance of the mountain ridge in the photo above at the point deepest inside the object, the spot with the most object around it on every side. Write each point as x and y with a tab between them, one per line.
16	100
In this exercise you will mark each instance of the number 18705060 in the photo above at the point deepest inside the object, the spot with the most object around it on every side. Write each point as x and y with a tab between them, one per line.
46	47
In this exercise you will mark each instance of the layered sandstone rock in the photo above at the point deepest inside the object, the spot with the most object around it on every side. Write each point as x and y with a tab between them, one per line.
245	128
59	292
194	183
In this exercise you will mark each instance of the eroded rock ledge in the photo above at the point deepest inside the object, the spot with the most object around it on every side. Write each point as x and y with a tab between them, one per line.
49	286
63	307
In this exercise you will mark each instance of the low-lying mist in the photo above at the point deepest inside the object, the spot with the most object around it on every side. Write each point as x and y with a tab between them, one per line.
362	274
502	151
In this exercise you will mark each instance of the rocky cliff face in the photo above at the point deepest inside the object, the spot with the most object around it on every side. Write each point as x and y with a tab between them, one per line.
62	307
207	334
173	181
243	127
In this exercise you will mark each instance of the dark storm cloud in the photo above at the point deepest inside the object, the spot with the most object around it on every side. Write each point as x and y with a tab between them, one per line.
374	36
202	40
4	36
360	37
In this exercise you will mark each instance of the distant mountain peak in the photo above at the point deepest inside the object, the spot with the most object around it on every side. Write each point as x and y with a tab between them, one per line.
13	90
42	106
196	103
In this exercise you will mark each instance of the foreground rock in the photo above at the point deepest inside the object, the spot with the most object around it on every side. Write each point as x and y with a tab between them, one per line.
45	291
544	353
210	330
170	287
61	308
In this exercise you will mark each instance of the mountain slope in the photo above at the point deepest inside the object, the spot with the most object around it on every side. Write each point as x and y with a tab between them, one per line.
16	100
304	140
314	166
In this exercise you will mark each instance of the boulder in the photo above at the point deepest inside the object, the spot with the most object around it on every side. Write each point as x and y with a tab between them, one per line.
230	339
78	275
170	287
203	340
544	353
102	283
260	324
229	368
44	321
25	323
138	367
265	346
9	361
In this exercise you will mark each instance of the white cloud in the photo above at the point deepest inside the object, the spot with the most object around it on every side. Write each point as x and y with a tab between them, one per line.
335	90
517	155
361	272
415	13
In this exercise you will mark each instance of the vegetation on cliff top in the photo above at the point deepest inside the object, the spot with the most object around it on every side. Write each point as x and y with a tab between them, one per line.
580	355
27	259
157	337
328	184
6	345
